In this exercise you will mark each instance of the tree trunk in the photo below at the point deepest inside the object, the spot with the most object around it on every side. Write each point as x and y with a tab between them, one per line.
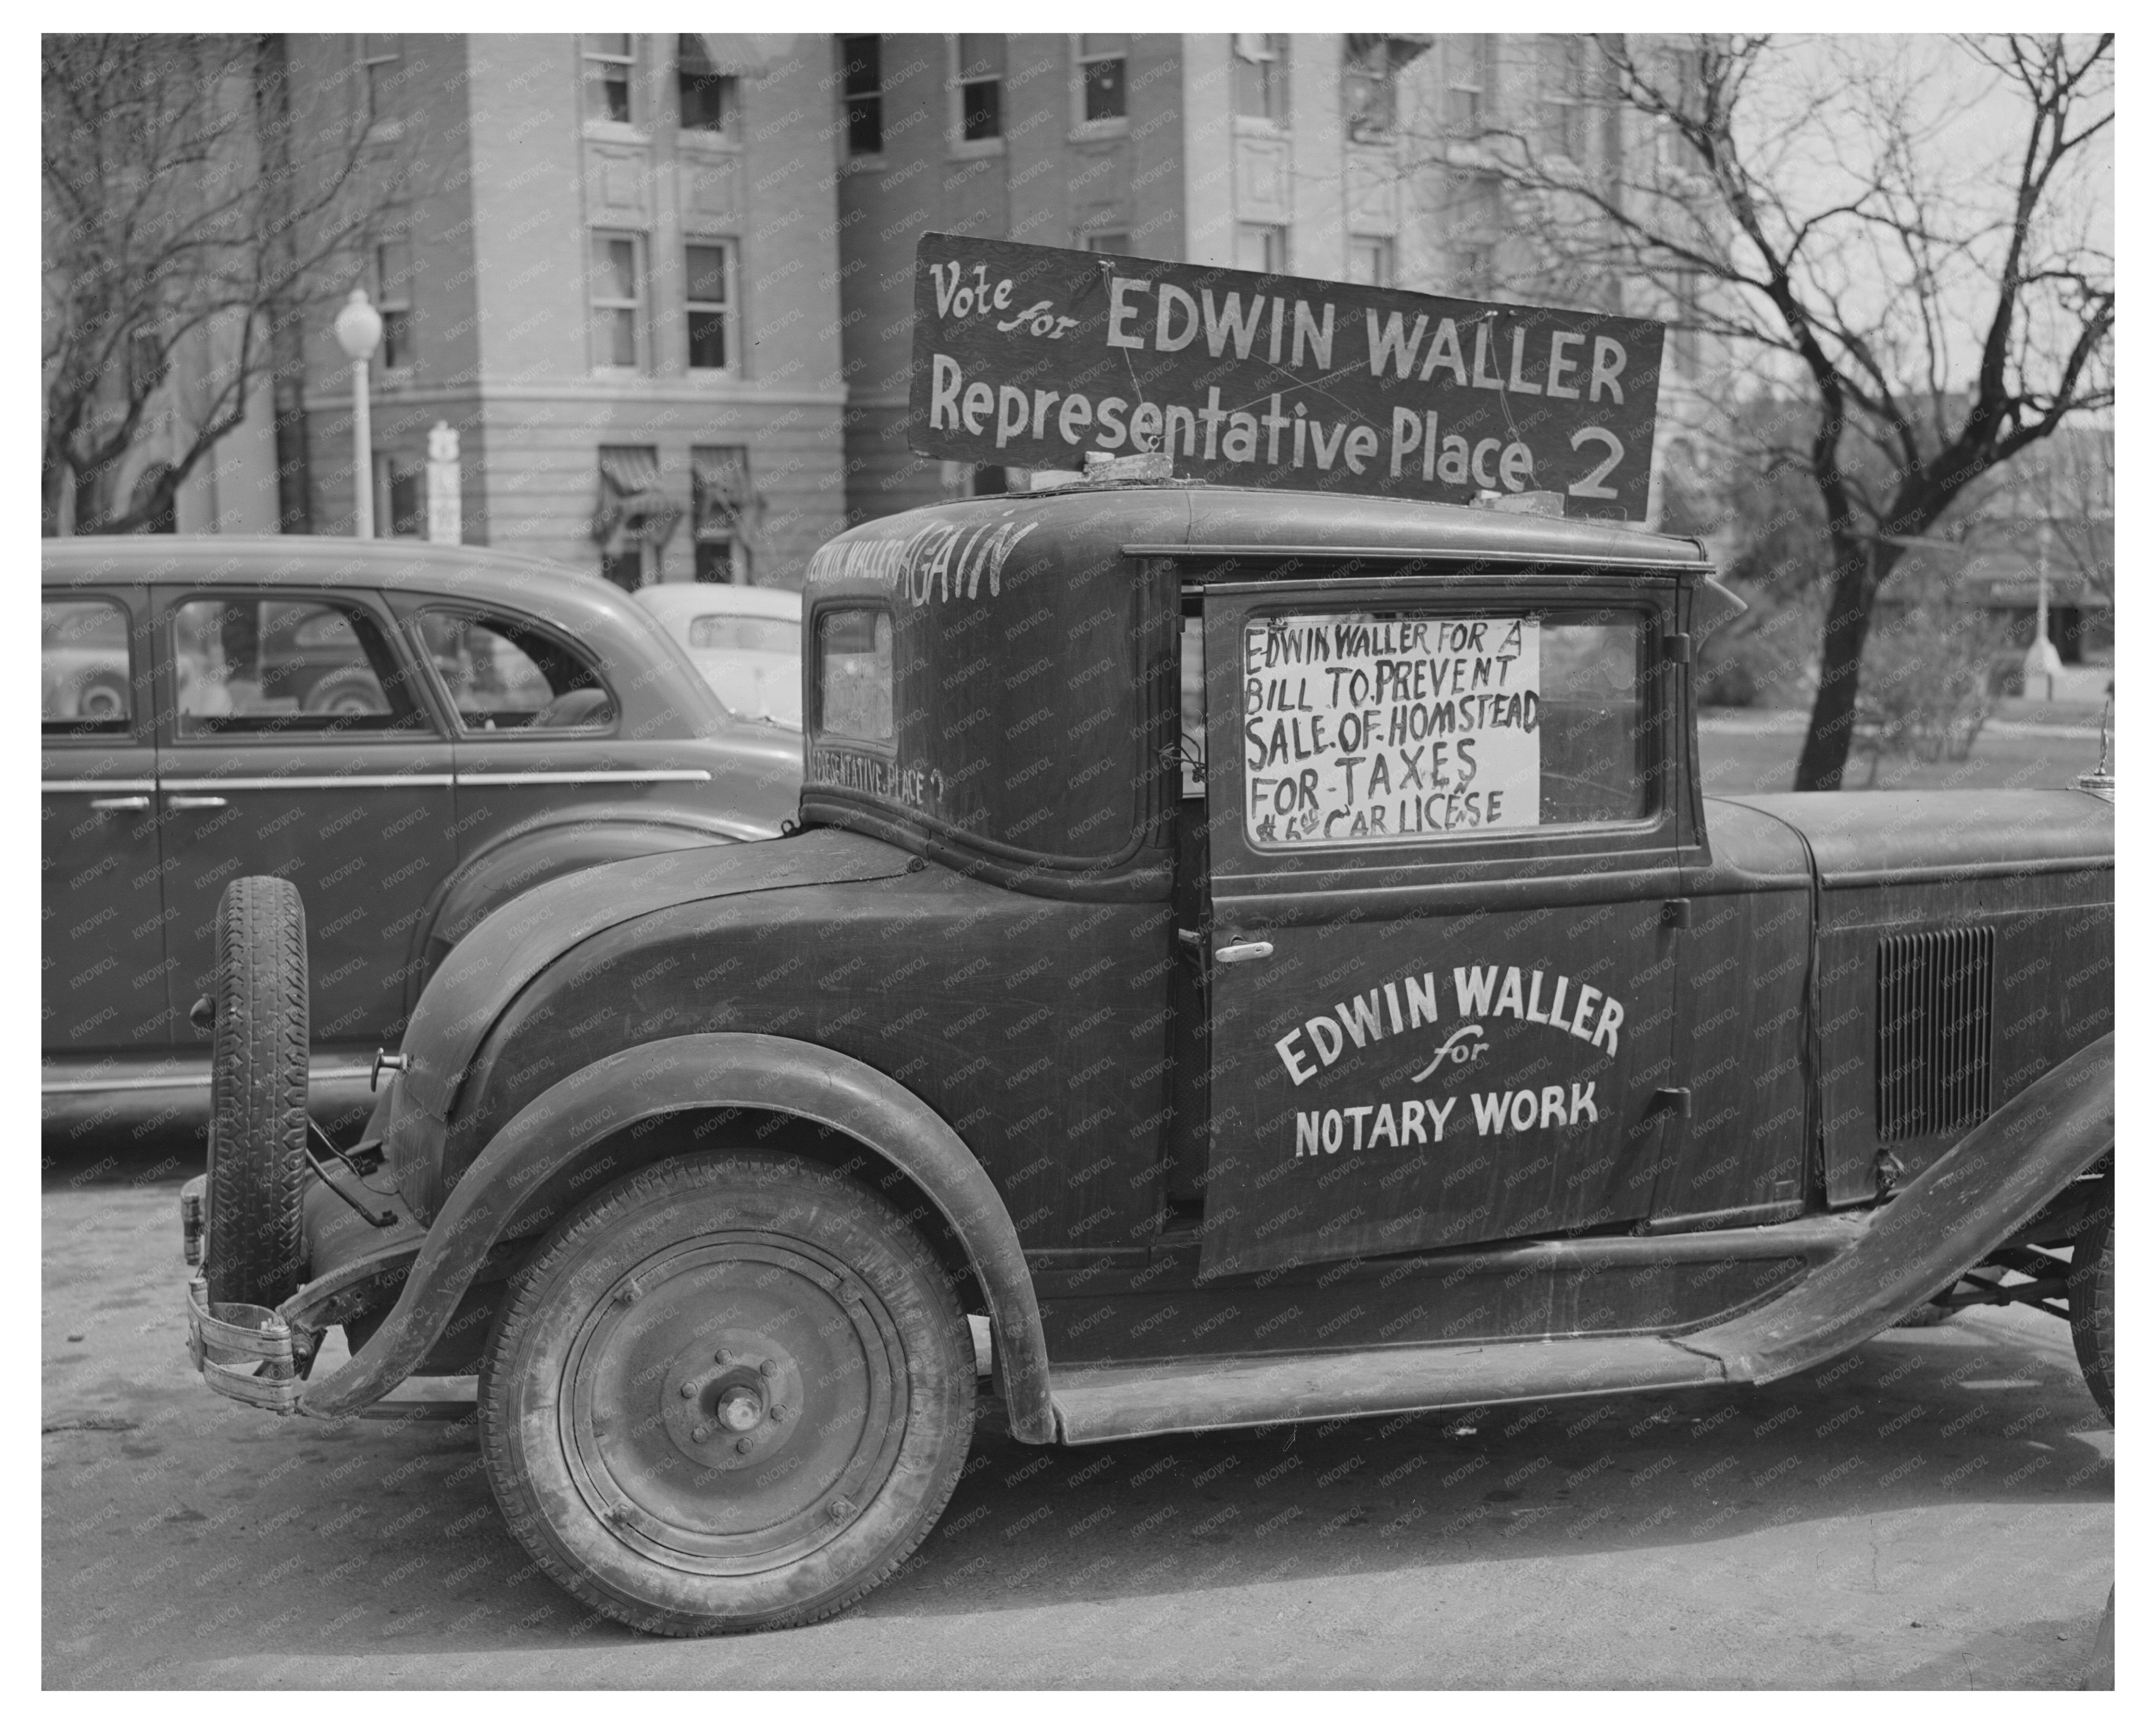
1841	658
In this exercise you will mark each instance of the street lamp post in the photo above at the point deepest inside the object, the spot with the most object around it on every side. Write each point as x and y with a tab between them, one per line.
358	330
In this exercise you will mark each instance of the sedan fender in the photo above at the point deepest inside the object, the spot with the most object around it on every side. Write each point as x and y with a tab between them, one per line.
558	1129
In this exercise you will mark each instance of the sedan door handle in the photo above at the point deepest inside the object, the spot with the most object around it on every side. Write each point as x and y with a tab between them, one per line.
1243	951
120	804
195	802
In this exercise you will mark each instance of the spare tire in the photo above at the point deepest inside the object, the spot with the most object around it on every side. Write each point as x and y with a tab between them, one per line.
258	1088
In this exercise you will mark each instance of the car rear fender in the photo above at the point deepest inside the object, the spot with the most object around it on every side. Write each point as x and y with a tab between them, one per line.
1944	1221
567	1125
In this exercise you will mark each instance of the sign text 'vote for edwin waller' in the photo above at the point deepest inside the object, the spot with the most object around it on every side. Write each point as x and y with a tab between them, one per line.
1025	356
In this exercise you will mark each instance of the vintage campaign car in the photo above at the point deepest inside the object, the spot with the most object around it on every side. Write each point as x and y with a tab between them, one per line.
1261	957
411	733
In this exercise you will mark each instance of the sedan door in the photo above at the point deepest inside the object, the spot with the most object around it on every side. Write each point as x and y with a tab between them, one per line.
103	963
338	779
1440	981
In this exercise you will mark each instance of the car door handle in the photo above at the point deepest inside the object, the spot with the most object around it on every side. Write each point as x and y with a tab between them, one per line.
194	802
120	804
1243	952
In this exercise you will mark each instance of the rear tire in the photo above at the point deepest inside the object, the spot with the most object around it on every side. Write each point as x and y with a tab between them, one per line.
257	1125
2088	1305
734	1392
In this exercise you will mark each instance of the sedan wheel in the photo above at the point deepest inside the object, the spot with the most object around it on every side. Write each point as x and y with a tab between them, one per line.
734	1392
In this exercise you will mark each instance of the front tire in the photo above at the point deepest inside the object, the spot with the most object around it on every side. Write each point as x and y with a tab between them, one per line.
258	1088
734	1392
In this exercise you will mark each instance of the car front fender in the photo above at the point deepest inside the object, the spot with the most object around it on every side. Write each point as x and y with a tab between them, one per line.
563	1127
1947	1219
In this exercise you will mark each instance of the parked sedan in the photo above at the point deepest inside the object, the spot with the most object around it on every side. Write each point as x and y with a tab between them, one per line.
410	733
746	640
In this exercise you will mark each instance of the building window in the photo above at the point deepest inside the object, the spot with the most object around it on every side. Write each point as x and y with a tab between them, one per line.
980	88
862	58
392	298
1262	248
378	59
712	343
1565	96
1113	241
617	301
1471	220
1370	260
1369	88
707	95
719	499
607	62
636	517
1470	65
1102	88
1261	70
401	495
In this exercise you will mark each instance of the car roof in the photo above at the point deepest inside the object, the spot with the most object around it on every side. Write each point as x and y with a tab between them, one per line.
303	560
706	598
1234	518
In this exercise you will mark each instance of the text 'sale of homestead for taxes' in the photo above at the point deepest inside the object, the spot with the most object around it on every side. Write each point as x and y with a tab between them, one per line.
1027	355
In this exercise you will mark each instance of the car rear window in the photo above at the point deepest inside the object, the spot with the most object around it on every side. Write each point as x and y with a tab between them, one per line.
854	675
744	634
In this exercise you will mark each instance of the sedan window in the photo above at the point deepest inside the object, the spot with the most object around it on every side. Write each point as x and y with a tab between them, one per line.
257	666
505	675
86	685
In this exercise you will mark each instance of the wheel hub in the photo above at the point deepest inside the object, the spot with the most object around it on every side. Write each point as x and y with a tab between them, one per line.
732	1400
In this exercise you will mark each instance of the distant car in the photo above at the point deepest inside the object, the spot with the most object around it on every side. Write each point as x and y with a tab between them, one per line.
410	733
746	640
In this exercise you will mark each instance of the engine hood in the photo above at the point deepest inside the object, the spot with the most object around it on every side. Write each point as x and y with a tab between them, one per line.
1864	838
488	969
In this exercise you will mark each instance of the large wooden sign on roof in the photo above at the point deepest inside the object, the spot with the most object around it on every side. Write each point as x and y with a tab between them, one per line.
1027	355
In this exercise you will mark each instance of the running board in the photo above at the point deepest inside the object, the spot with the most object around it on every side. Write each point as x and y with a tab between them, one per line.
1099	1403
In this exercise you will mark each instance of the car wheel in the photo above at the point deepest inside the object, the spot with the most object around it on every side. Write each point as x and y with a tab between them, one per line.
735	1392
347	694
2088	1305
258	1124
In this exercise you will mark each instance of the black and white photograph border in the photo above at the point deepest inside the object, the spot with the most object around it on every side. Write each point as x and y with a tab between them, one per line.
899	863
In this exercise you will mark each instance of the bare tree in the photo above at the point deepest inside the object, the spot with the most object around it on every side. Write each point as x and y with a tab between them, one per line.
186	195
1800	201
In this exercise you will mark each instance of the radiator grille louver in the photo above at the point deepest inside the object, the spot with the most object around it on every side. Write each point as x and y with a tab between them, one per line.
1934	1054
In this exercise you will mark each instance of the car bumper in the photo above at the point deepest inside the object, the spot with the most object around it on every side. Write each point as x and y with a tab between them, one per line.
243	1352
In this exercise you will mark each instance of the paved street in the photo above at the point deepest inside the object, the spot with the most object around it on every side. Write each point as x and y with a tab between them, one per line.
1933	1512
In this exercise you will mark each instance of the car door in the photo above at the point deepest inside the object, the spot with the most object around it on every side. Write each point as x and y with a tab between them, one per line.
103	990
300	741
1442	837
537	725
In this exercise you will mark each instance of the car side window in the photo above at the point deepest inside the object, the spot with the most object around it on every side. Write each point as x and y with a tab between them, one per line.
87	686
249	665
1397	728
1192	677
505	675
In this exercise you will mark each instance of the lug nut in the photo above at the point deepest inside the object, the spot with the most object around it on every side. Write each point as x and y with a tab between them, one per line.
720	1357
700	1434
741	1447
688	1391
840	1508
769	1367
777	1415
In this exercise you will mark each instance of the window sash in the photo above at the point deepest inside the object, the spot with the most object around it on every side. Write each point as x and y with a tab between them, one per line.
606	79
616	316
708	297
1103	84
